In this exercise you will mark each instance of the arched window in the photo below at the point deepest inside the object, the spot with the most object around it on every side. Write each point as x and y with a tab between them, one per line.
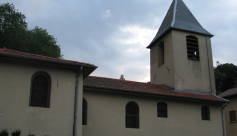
162	110
132	115
84	112
40	90
161	55
192	47
205	113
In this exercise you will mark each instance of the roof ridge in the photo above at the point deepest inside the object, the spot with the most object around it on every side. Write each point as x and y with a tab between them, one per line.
174	13
125	80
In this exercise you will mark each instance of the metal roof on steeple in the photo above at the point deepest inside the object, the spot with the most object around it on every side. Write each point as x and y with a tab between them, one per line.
179	17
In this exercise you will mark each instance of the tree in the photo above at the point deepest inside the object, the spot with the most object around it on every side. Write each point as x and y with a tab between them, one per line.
40	42
225	77
15	35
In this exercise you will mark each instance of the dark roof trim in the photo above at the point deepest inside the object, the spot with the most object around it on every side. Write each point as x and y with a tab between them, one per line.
181	18
227	96
172	28
47	60
223	99
148	93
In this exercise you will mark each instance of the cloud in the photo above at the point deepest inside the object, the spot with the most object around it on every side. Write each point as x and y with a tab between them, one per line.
106	14
139	35
114	34
132	57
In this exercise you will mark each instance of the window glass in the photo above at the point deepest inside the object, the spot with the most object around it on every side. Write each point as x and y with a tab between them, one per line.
162	110
132	115
205	113
232	115
40	90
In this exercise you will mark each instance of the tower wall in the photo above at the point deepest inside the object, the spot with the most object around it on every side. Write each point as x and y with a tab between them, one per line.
179	72
192	75
163	74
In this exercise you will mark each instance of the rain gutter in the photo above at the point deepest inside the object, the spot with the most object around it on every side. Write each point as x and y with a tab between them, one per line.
149	93
223	119
76	101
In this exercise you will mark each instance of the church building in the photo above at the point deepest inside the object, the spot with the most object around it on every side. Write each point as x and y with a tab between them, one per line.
58	97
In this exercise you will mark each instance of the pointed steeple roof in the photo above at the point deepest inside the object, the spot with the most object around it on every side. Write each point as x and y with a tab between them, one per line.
179	17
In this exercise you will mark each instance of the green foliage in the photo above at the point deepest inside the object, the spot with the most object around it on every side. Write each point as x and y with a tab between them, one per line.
4	132
15	35
16	132
40	42
31	134
225	77
12	26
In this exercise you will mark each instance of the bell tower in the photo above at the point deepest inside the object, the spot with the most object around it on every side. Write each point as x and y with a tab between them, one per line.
180	53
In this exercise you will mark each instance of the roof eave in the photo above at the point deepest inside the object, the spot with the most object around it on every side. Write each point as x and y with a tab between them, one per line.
172	28
227	96
88	67
156	94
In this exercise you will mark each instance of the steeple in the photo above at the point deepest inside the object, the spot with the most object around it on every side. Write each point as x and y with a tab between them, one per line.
179	17
180	53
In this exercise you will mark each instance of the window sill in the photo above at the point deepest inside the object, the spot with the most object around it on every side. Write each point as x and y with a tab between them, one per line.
133	127
38	106
162	117
233	121
161	65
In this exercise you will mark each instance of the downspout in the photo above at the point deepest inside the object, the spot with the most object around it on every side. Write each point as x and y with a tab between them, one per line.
76	102
208	61
223	119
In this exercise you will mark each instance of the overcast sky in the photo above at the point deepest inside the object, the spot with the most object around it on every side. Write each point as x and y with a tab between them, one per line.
114	34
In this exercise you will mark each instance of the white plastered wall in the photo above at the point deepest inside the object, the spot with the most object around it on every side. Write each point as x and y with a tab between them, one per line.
15	82
106	116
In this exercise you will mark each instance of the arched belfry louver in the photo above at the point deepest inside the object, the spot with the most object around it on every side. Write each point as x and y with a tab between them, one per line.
192	47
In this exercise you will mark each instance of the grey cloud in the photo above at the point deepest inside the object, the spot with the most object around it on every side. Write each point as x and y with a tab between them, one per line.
84	35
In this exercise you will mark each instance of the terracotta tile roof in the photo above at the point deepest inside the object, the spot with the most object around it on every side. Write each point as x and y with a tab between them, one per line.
228	93
138	87
14	53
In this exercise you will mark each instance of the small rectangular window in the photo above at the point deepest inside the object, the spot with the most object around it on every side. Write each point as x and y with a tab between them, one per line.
161	55
205	112
162	110
232	115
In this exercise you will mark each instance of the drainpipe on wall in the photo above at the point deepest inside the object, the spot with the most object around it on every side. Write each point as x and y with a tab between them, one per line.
223	119
208	61
76	102
1	114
